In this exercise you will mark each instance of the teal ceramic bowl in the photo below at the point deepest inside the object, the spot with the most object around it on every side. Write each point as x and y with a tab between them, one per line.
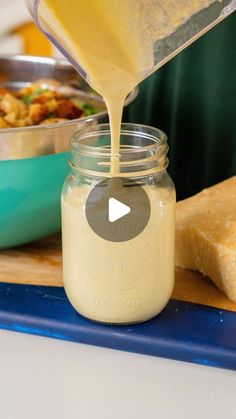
30	198
34	160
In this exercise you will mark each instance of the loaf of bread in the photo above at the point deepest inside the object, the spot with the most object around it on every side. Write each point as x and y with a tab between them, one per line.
206	235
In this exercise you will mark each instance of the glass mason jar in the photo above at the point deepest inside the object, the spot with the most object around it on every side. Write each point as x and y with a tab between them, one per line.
127	281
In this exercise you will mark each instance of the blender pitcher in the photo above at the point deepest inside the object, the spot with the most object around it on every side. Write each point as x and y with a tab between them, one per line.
163	28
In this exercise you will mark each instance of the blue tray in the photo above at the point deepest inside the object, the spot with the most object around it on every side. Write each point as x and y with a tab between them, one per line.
183	331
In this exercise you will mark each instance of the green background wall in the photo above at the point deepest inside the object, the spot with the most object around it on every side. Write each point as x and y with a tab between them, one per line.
193	99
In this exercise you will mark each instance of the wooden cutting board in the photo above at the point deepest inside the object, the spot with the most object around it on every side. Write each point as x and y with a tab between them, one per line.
40	263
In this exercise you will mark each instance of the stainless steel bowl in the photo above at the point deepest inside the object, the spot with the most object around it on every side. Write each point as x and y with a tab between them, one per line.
34	160
18	71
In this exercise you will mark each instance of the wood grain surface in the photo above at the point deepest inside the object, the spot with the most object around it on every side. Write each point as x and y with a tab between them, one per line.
40	263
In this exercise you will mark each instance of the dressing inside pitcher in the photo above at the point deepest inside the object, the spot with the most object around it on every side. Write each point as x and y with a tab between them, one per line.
115	45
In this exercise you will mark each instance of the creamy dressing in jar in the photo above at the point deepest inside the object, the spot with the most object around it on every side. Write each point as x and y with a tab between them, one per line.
128	281
122	282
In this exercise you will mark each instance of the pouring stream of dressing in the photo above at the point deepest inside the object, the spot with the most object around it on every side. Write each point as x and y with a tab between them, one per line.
104	38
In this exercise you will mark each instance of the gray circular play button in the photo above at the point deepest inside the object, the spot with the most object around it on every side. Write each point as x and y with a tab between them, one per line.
117	209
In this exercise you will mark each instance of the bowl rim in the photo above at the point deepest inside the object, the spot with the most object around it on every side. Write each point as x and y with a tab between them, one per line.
63	63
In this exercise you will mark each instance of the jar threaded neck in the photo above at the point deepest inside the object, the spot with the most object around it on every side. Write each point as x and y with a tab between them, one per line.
143	151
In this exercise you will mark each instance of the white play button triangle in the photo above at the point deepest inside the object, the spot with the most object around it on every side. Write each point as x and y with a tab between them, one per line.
117	210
